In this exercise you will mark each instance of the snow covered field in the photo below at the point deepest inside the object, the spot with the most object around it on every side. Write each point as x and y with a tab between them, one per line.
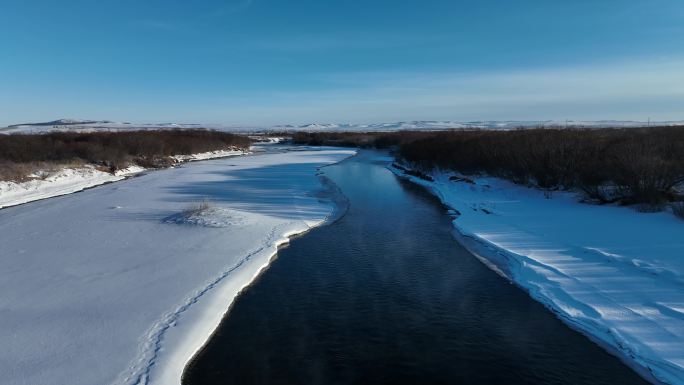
611	272
76	125
70	180
121	284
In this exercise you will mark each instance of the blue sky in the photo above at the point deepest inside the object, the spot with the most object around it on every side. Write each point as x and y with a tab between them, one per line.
262	62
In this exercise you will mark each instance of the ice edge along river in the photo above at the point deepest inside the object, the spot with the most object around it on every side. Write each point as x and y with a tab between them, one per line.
112	286
612	273
183	338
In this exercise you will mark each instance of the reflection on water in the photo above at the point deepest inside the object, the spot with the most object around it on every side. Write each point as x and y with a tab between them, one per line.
386	296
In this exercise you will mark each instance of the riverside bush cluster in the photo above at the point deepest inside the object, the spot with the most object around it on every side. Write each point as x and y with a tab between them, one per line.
630	166
112	150
626	165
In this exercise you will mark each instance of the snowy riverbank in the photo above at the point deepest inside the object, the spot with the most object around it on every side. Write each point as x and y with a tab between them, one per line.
613	273
70	180
120	285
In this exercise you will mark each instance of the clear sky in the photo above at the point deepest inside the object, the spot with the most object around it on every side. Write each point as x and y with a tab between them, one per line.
259	62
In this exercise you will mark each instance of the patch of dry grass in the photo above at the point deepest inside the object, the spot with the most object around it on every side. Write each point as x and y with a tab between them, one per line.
21	172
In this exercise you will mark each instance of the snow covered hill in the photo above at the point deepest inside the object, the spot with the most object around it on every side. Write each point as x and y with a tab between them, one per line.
77	125
64	122
91	125
491	124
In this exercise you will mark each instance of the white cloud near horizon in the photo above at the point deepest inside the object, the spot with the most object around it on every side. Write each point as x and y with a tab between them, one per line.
628	90
623	91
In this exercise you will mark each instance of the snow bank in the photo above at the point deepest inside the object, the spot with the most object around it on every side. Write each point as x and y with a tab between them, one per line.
268	139
70	180
102	288
132	170
65	181
208	155
613	273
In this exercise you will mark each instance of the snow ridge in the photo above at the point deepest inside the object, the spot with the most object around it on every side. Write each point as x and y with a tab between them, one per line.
138	374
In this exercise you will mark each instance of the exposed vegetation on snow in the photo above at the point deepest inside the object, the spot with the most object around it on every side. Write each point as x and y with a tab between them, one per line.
24	154
610	165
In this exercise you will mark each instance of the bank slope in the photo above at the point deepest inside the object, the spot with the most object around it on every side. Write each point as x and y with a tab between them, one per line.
613	273
70	180
122	283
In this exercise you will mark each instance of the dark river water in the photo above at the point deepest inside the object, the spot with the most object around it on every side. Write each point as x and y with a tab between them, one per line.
385	295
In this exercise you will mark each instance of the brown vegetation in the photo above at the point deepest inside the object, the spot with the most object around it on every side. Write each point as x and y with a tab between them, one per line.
629	166
357	139
636	165
22	171
678	209
20	154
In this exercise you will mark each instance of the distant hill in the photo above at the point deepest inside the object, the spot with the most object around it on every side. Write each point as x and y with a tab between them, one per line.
106	125
486	124
63	122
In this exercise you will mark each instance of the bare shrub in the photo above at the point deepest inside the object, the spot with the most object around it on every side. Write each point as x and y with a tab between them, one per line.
20	172
197	208
112	150
16	172
356	139
641	165
678	209
648	207
625	165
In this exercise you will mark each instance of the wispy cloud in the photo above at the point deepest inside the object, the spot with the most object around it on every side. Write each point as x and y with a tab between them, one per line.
347	41
635	90
183	21
232	7
156	24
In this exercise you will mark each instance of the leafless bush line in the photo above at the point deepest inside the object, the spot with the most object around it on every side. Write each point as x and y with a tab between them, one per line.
625	165
630	166
22	154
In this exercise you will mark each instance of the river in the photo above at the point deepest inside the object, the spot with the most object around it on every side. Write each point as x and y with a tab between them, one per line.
385	295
